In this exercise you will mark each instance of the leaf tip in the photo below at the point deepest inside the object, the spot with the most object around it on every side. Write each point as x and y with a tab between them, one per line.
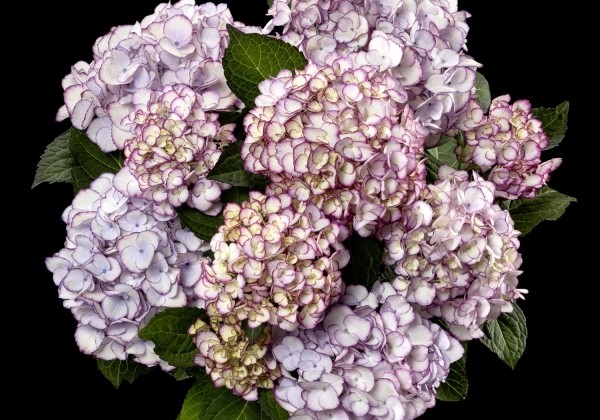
232	29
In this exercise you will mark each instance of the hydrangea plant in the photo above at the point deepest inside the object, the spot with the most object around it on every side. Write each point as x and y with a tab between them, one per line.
311	219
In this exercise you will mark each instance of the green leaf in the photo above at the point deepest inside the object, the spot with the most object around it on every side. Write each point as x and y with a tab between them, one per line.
252	58
442	155
387	274
554	122
89	162
549	204
117	371
225	405
204	401
196	398
169	332
55	163
254	334
507	336
203	226
230	169
227	117
456	386
482	92
235	195
366	255
181	374
270	406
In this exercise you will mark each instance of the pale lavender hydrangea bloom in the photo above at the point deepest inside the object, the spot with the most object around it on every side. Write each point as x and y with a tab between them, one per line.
420	42
121	265
456	253
373	361
508	142
174	146
275	261
179	43
340	136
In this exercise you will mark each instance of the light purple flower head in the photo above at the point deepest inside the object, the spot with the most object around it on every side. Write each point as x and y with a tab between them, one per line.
119	267
456	253
364	362
419	42
508	142
275	261
174	146
341	136
179	43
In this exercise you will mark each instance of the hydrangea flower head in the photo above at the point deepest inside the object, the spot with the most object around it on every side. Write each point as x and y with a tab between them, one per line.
456	253
508	142
174	146
181	43
381	360
231	359
340	136
420	42
121	265
276	262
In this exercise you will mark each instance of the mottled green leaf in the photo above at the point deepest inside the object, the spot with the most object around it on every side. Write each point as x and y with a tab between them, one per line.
387	274
482	92
227	117
230	169
203	226
456	386
168	330
554	122
507	336
253	334
235	195
195	400
549	204
443	154
117	371
89	162
270	407
252	58
55	163
366	256
205	402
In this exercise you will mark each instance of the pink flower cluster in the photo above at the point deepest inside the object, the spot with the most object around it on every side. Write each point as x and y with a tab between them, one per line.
340	136
120	265
175	144
342	143
455	254
377	360
420	42
508	142
179	43
232	359
276	262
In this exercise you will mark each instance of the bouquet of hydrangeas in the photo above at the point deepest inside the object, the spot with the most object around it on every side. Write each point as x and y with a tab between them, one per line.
310	218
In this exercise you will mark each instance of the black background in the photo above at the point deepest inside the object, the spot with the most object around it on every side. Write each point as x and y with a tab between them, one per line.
528	52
